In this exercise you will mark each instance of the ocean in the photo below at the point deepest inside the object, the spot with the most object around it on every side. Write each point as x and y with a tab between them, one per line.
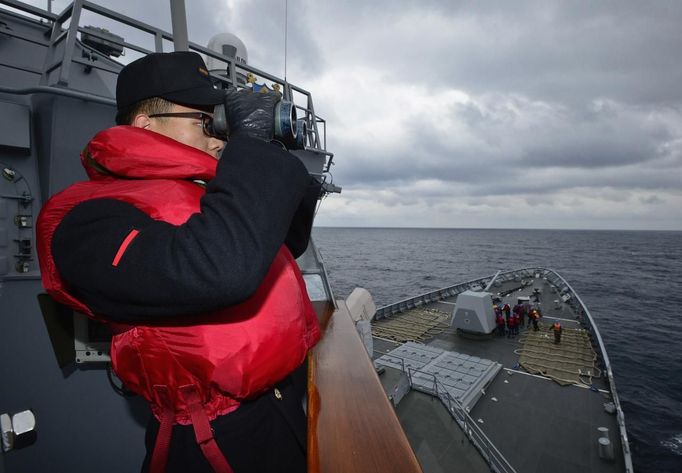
631	281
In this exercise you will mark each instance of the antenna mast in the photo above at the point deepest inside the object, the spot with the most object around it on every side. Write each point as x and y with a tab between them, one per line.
286	24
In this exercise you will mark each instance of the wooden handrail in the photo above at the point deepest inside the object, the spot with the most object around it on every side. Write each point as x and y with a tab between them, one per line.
352	426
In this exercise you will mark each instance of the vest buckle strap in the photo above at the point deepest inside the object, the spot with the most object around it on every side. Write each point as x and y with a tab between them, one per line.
163	437
203	431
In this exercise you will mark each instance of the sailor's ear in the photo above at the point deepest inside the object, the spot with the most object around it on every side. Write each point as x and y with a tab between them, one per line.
141	120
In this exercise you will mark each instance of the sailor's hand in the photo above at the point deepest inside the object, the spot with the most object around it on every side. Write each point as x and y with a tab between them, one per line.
251	113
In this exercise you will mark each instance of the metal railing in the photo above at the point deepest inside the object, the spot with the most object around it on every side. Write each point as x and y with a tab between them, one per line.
577	304
426	298
62	48
470	428
474	433
450	291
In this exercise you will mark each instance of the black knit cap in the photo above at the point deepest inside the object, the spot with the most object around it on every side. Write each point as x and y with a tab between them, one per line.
179	77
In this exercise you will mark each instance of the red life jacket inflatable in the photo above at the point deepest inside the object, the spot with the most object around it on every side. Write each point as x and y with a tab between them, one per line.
185	370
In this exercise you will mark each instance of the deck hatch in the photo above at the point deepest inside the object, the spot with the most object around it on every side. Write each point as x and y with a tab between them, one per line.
463	376
15	131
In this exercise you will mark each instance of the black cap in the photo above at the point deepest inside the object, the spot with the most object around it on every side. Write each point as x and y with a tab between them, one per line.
180	77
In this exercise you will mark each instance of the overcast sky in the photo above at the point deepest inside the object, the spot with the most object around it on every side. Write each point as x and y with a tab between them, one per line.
525	114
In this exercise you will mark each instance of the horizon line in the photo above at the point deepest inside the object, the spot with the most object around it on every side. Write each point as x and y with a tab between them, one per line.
500	228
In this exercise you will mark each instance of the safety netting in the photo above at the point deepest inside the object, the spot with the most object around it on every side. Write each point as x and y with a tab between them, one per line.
572	361
415	325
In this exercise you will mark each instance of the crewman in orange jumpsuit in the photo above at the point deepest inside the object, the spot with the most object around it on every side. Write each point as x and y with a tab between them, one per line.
557	332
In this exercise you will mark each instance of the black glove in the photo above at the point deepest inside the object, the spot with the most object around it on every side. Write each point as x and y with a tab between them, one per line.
251	113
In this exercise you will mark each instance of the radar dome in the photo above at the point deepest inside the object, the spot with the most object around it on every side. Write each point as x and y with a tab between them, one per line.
228	45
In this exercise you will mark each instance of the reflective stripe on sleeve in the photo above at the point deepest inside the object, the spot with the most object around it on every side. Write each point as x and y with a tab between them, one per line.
124	246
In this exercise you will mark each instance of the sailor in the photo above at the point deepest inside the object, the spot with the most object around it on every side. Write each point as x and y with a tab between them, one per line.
499	320
534	316
510	327
507	311
517	320
527	310
198	281
556	327
518	311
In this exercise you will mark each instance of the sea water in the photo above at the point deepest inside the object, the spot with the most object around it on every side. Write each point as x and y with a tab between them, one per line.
631	282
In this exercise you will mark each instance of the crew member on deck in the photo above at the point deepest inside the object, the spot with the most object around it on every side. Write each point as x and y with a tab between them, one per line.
518	310
556	326
534	316
527	310
510	327
499	320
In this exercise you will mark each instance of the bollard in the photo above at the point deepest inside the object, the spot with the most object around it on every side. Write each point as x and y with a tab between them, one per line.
605	449
604	432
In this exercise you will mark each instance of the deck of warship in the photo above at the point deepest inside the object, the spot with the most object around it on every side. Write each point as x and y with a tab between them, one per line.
520	419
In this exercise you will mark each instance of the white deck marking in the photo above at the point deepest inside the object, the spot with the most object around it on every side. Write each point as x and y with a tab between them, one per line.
559	318
550	379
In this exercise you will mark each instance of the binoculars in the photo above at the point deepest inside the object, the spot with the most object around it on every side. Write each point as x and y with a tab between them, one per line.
259	115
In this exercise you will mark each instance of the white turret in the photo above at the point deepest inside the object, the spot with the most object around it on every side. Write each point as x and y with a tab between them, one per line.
473	313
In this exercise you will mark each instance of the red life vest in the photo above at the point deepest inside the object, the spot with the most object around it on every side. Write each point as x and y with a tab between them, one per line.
187	366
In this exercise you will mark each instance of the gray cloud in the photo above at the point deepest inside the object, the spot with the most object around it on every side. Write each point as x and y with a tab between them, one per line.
559	51
509	145
652	200
261	25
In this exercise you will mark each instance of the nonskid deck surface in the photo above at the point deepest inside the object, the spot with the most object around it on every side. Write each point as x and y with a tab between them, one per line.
536	424
421	415
540	426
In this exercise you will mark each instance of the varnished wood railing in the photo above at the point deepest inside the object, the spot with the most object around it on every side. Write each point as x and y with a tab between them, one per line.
352	426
